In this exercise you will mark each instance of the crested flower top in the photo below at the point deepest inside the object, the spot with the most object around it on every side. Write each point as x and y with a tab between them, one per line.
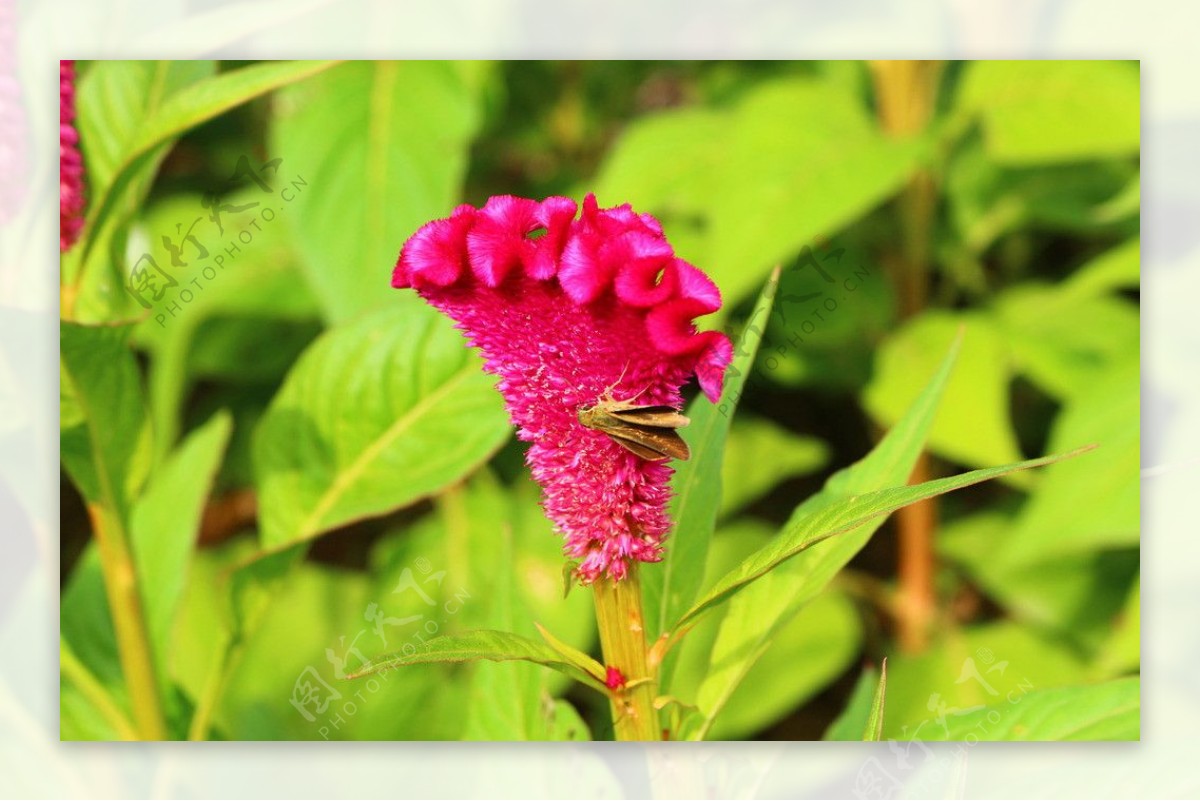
70	161
564	310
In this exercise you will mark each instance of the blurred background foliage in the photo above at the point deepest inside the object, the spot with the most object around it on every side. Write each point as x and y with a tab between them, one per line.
292	527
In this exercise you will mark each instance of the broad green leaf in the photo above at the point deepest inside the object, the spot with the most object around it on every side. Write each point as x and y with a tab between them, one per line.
96	270
843	516
200	101
669	587
853	720
1122	652
165	524
392	158
115	99
509	701
1083	507
1109	711
1077	595
1118	268
1036	112
873	731
972	667
1065	340
761	454
375	415
988	201
974	425
766	195
104	436
778	193
483	644
247	323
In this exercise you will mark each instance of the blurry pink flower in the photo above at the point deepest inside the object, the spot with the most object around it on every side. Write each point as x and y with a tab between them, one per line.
70	161
594	304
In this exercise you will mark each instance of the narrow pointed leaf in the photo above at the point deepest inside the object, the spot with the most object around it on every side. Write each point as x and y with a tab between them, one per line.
166	523
669	587
573	655
494	646
873	731
845	516
757	615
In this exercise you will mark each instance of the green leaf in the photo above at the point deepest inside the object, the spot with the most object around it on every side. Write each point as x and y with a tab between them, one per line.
200	101
165	524
801	658
1109	711
375	415
1080	507
1122	652
974	425
392	158
494	646
246	322
1067	340
1117	268
114	100
104	437
853	720
1076	595
97	269
761	454
765	607
873	731
968	668
765	195
510	701
669	587
843	516
1036	112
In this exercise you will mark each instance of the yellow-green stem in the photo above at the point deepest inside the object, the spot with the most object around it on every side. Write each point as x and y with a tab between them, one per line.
129	621
78	675
906	92
623	642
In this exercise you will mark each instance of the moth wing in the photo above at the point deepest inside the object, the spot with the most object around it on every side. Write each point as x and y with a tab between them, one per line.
654	416
650	443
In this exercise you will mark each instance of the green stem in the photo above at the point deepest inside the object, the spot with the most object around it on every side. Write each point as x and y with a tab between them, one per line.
623	642
129	621
77	674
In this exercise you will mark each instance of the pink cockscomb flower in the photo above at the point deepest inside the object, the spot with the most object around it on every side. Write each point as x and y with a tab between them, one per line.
565	310
70	161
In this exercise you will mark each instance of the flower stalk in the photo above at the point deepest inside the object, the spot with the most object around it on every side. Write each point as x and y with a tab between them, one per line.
623	643
129	622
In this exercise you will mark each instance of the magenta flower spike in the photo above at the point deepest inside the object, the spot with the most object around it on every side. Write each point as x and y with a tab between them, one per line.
70	161
565	309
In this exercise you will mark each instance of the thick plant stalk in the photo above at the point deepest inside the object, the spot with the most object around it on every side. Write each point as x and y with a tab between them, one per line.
623	642
907	95
129	621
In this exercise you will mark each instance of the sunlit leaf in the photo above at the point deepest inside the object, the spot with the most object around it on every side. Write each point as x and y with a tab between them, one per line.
1110	711
375	415
1034	112
392	158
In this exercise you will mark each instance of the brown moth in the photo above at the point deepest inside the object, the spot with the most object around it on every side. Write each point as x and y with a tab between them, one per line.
647	431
